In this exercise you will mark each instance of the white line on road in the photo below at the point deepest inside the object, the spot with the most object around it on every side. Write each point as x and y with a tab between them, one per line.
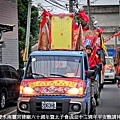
10	112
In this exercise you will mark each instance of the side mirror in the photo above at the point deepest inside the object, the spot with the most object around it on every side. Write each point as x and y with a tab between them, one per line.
90	73
20	72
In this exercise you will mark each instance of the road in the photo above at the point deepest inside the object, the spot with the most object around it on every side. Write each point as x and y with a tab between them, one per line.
110	102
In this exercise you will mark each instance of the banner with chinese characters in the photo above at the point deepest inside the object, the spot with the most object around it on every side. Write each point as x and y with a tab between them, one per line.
53	86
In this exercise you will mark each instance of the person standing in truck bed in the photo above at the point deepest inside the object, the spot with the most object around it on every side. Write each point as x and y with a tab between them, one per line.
93	60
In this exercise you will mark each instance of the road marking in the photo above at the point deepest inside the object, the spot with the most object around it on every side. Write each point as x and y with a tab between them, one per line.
10	112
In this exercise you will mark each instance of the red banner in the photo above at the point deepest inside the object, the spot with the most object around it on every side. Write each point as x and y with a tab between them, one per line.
92	36
53	86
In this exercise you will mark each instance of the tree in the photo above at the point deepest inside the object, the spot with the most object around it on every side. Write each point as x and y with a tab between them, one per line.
22	25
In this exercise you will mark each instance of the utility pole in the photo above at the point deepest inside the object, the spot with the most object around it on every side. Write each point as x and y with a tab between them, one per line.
28	29
71	6
89	13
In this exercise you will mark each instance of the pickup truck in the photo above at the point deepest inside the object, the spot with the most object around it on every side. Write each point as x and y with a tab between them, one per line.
50	87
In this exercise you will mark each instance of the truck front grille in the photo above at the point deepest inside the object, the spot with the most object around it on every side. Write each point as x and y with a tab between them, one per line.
58	107
62	106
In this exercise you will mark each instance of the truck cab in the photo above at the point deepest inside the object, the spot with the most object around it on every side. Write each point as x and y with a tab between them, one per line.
56	82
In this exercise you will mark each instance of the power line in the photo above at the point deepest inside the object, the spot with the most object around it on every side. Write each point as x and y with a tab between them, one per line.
55	5
63	1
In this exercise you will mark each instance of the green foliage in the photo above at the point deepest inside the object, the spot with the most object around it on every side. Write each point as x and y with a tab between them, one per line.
21	34
22	25
34	25
22	13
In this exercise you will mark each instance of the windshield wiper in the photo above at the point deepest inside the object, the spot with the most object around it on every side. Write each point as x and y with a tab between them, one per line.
59	75
38	74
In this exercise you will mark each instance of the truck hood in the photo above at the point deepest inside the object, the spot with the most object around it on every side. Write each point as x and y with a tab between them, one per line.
53	86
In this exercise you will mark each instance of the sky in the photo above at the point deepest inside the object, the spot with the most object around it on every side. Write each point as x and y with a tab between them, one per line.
54	9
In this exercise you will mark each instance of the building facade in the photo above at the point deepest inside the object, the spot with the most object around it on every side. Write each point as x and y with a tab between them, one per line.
108	17
9	16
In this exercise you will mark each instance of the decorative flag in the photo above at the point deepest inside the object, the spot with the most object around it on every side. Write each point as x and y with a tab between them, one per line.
105	50
24	54
43	38
79	38
83	15
43	33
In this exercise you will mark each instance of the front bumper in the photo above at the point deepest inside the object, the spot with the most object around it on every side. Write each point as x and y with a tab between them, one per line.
109	76
63	106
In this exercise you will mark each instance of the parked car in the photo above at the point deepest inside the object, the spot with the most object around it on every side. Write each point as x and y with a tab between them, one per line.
9	84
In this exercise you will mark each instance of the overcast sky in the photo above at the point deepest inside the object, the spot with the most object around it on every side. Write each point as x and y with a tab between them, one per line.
81	2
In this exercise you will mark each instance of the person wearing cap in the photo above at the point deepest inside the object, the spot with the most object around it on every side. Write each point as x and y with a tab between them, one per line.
90	55
93	61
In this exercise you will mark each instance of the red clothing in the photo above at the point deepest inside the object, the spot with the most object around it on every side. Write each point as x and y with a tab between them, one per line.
118	70
93	61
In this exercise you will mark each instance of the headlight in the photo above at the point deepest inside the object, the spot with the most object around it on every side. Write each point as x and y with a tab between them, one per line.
73	91
76	91
28	90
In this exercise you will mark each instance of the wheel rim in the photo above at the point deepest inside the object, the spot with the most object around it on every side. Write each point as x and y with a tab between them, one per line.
3	101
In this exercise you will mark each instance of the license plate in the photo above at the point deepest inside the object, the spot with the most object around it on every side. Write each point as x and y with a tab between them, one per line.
48	105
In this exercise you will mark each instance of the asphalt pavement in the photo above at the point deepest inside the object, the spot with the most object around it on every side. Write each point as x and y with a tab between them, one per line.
110	100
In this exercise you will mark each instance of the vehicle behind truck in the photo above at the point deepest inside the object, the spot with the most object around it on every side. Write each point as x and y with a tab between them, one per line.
110	67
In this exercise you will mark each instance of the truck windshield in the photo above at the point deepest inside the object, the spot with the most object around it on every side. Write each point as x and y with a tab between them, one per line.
54	66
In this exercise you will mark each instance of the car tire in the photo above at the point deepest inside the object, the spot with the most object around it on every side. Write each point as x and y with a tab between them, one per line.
2	100
114	81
